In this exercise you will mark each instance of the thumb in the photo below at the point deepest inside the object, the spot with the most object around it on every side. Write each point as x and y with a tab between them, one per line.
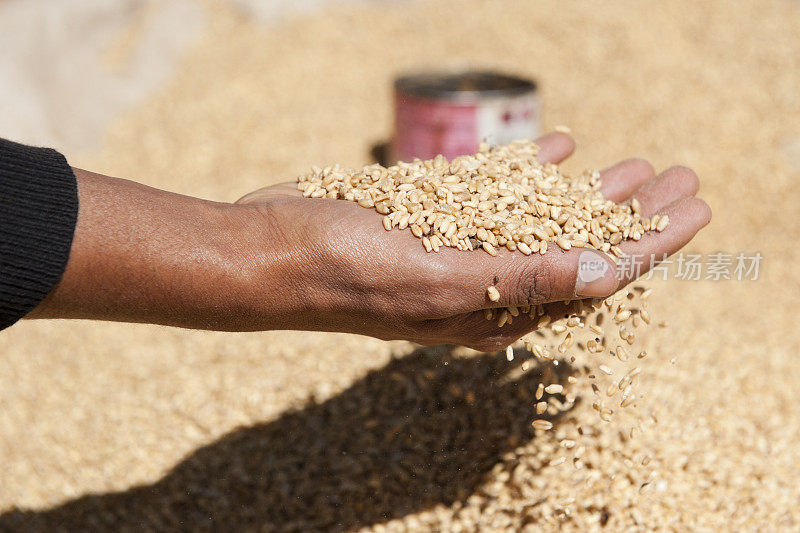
538	279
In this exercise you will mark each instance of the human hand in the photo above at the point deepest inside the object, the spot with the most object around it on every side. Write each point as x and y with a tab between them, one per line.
343	272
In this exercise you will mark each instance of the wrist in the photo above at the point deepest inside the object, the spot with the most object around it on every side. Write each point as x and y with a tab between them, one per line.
259	270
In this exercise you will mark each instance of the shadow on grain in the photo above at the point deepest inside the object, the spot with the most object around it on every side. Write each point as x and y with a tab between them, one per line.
424	430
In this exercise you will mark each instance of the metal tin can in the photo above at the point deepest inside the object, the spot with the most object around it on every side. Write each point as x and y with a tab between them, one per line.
452	113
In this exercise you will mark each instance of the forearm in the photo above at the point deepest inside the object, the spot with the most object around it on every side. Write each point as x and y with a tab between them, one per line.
144	255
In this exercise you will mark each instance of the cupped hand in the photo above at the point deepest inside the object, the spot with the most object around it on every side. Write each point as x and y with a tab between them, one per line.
349	274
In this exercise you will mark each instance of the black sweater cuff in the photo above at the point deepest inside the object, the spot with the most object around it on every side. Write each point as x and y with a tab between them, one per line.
38	212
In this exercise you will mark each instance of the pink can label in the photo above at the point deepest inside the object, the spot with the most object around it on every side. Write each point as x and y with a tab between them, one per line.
426	127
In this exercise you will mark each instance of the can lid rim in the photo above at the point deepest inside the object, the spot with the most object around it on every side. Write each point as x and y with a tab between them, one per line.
463	85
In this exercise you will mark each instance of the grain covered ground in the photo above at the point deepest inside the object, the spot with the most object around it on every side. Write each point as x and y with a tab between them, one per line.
109	426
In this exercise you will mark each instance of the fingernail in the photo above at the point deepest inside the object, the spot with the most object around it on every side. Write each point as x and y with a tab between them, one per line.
595	277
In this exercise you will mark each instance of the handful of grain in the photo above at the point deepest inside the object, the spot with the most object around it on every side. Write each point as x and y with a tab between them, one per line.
501	196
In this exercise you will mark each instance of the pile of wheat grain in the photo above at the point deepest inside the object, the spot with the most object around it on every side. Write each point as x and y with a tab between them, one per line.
292	431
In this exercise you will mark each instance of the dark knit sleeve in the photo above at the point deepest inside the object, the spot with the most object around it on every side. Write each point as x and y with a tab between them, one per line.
38	212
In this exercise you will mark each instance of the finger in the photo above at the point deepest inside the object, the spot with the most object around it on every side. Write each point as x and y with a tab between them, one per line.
578	273
555	147
672	184
687	216
620	181
526	281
